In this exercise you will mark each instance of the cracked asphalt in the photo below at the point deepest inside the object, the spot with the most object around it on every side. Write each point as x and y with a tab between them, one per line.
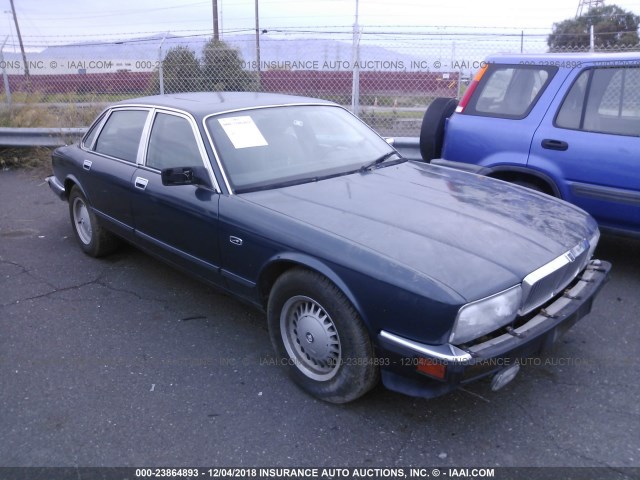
124	361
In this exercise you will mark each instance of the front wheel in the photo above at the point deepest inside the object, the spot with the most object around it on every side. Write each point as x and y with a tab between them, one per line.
93	239
318	334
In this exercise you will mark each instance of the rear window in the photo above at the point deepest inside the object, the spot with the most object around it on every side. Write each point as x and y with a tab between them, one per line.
510	91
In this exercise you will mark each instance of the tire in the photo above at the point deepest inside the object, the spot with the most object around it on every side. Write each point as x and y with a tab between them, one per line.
432	130
320	337
93	239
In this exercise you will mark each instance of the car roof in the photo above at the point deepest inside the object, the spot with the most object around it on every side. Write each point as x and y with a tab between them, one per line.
583	57
201	104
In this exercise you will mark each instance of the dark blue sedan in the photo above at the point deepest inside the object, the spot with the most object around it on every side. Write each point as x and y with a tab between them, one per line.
368	266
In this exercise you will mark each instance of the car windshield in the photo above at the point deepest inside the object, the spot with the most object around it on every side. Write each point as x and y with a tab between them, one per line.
275	146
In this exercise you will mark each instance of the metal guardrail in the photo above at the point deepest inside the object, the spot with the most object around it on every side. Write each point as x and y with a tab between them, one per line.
409	147
39	137
55	137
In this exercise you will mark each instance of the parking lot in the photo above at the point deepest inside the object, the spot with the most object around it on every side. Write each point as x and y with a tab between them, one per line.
124	361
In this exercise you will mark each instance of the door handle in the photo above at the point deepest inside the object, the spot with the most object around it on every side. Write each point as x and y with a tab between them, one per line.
141	183
551	144
87	164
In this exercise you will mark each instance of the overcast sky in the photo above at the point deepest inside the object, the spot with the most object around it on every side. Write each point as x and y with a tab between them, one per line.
65	21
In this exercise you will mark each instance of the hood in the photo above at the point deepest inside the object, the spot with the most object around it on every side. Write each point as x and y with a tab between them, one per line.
474	234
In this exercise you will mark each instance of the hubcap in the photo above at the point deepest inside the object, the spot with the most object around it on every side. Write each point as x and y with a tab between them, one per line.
310	338
81	221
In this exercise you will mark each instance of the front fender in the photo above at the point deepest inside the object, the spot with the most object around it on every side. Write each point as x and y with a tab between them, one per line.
275	265
418	308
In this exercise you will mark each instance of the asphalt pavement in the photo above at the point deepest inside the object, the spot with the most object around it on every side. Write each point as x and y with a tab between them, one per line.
124	361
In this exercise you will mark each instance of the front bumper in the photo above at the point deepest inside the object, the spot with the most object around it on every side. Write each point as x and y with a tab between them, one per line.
461	366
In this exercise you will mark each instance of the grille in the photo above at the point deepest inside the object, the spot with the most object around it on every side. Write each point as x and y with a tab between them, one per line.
550	279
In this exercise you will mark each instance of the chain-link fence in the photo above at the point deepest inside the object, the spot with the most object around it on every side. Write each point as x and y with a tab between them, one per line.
388	80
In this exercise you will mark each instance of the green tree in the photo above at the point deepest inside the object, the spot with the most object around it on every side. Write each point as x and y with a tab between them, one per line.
222	69
612	26
180	71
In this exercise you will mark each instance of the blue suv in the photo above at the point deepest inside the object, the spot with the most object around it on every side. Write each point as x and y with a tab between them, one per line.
566	125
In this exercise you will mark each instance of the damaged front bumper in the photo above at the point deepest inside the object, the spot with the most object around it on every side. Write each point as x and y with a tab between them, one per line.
431	370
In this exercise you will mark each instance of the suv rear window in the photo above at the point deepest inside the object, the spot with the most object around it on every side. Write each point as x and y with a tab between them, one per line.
510	91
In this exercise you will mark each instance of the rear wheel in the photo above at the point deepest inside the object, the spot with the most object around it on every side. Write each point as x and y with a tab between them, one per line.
320	337
93	239
432	130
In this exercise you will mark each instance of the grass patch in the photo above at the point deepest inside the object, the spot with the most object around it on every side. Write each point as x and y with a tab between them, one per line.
34	115
30	115
70	97
35	160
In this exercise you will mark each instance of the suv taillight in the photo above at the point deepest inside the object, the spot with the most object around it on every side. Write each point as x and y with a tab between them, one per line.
472	88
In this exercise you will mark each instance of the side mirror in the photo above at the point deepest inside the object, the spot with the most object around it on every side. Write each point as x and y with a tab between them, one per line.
185	176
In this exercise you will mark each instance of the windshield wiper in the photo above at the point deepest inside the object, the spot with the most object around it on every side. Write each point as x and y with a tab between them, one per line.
368	166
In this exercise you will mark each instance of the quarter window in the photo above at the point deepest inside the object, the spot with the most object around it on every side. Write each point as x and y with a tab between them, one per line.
120	136
603	100
510	91
172	143
88	139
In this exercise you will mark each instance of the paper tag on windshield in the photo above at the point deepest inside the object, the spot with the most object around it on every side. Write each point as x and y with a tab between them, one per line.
242	132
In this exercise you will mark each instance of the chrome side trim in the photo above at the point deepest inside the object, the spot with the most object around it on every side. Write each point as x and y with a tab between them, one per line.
449	353
217	159
146	135
141	157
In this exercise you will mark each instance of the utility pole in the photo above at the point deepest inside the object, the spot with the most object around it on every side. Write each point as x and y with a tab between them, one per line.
24	56
5	79
161	66
355	58
258	45
216	33
584	7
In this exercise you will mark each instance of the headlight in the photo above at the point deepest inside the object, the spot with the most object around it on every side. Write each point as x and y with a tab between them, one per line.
483	316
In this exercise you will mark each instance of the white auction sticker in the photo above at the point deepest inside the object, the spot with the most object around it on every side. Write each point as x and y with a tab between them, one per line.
242	132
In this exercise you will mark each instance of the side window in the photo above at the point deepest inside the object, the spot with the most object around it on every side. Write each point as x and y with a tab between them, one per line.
611	104
510	91
172	143
120	136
